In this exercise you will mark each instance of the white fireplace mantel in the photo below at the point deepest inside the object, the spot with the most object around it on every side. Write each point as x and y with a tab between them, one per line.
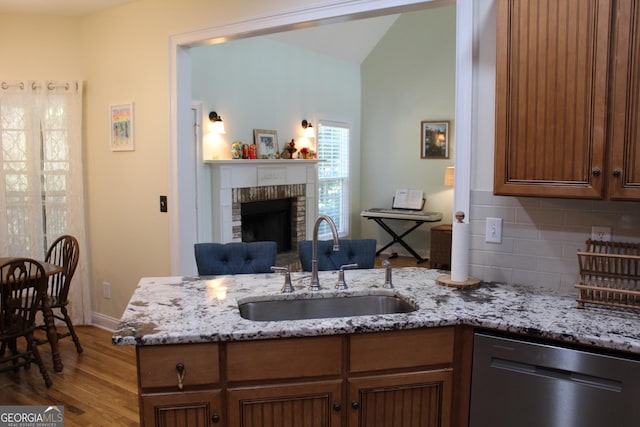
229	174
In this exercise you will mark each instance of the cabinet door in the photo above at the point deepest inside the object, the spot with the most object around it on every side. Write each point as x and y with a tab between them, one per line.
189	409
624	171
551	97
309	404
421	399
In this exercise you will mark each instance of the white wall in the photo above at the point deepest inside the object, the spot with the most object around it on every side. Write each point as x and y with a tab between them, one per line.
407	78
258	83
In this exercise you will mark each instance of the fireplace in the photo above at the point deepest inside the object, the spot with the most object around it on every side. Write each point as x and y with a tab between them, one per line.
275	213
236	183
268	220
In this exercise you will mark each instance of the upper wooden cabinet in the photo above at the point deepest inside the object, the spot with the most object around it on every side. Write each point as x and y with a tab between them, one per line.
562	127
624	157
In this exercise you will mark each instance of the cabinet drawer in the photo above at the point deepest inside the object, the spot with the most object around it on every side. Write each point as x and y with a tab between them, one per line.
157	365
284	358
402	349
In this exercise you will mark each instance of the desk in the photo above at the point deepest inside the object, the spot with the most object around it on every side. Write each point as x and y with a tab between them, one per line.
47	314
379	215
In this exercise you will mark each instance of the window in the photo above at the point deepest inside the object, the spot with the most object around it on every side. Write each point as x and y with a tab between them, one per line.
37	125
333	193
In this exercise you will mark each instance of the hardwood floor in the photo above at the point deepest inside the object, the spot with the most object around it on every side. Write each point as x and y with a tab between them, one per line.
400	261
97	387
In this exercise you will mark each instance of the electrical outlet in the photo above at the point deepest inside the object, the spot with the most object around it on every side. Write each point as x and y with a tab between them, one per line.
106	290
493	231
601	233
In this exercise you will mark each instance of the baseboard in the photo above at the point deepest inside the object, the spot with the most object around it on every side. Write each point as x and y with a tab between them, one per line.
103	321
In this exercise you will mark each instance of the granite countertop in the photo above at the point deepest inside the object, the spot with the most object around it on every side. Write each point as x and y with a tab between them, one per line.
174	310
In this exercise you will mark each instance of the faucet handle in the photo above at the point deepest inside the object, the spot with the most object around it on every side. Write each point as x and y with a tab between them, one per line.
387	276
288	287
340	284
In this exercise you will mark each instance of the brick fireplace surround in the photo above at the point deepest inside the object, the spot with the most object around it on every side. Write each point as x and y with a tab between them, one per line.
234	182
296	192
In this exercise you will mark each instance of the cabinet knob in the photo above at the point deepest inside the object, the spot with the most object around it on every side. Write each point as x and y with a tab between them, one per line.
337	406
215	418
617	172
180	371
355	404
596	171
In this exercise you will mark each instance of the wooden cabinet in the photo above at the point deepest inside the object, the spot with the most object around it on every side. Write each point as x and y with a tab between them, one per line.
419	399
309	404
418	396
624	154
440	251
374	379
179	385
181	409
566	110
262	394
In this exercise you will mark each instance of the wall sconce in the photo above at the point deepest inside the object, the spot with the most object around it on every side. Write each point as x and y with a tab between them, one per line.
308	129
449	175
218	124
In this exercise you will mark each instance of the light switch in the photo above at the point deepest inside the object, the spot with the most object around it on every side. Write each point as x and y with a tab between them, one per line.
493	232
163	203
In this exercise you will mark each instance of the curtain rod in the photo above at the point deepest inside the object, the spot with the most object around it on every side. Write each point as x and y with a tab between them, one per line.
7	85
35	85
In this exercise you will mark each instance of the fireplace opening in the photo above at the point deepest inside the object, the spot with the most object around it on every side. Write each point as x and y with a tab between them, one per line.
267	220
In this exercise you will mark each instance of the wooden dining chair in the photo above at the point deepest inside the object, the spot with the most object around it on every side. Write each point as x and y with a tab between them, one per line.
22	288
64	251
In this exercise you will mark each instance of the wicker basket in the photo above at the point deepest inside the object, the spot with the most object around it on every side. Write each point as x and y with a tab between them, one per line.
610	274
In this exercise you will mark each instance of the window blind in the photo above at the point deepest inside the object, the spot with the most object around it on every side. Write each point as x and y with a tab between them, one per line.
333	174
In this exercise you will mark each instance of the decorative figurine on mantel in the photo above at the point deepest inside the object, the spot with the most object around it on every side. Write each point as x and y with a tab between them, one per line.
253	152
306	153
288	152
237	150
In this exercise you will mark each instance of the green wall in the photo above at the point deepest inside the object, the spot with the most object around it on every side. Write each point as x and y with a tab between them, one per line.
407	78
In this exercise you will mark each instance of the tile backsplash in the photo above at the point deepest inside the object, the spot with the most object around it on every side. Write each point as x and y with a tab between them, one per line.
540	237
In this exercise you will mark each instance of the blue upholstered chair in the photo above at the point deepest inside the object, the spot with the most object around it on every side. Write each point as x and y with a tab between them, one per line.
235	258
354	251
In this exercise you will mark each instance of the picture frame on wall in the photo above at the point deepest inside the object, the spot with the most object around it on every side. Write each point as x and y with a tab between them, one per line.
266	143
434	139
122	126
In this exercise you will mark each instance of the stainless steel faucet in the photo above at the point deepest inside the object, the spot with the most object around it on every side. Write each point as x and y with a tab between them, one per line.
315	283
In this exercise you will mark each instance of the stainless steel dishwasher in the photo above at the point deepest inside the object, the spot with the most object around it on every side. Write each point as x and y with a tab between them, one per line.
521	383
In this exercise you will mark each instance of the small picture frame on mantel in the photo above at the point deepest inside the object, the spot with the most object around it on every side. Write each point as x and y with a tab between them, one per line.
434	139
266	142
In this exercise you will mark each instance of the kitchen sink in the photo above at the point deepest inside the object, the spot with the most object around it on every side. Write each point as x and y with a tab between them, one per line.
324	307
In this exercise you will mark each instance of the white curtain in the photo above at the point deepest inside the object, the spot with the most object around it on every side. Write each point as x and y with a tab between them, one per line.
41	175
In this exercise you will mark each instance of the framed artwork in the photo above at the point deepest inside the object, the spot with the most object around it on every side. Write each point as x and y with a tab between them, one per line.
434	140
266	142
121	117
